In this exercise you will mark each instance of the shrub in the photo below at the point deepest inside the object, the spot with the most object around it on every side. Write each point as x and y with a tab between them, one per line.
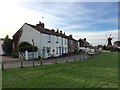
7	46
25	46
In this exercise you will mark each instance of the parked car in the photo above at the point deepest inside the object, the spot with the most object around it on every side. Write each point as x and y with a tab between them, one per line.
83	49
90	51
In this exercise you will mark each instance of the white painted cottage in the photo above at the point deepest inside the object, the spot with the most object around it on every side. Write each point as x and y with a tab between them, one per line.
1	42
49	42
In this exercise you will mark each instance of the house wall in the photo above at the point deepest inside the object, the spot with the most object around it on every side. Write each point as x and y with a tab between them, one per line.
28	34
1	51
72	45
55	47
82	43
65	45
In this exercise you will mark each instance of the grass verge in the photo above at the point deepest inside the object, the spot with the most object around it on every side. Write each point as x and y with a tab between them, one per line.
100	71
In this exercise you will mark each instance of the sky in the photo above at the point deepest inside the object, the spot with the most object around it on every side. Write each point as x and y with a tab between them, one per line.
90	20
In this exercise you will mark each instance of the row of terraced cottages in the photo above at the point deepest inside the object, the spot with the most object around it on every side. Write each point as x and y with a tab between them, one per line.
49	42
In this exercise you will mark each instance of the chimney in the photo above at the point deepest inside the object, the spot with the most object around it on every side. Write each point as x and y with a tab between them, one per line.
53	30
57	31
60	32
84	39
41	24
64	33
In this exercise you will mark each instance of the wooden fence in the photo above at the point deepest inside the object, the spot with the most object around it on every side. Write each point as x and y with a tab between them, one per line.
24	63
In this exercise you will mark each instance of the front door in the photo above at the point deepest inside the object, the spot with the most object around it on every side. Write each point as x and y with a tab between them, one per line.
59	50
43	53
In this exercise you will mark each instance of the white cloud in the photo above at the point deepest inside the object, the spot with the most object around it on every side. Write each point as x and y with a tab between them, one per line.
13	16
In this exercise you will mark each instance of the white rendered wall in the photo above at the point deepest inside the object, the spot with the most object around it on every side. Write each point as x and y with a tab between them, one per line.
65	45
41	41
30	33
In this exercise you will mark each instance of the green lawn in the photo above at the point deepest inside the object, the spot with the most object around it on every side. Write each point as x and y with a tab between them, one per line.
100	71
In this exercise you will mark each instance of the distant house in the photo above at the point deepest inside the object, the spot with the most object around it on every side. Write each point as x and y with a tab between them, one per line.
72	44
1	42
83	43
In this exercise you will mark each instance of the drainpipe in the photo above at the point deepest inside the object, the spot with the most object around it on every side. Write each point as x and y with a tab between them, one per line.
53	46
62	46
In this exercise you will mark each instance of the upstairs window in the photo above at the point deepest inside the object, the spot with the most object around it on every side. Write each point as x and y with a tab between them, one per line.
57	39
49	38
65	41
49	50
57	50
70	41
65	49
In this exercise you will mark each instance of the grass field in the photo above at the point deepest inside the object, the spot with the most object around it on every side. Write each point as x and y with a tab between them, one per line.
100	71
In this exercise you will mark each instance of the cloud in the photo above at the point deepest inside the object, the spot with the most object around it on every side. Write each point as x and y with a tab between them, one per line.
76	16
74	13
90	20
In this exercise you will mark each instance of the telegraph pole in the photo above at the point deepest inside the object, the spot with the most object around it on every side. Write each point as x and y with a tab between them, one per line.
33	51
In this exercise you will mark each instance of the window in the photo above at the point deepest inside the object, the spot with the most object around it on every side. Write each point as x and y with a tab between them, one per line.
49	38
56	50
65	41
57	39
49	50
65	49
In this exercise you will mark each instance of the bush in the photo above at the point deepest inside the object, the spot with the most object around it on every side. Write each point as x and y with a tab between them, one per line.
7	46
25	46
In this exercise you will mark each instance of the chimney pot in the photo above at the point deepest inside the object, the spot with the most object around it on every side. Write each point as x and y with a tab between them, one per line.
84	39
53	30
61	32
40	24
57	31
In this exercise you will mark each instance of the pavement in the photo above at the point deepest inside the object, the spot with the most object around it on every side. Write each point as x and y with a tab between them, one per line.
10	62
8	58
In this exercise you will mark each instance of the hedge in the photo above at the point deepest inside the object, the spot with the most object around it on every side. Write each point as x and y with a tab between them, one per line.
25	46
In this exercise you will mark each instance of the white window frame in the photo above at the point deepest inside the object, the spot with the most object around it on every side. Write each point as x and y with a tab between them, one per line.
57	50
49	38
57	39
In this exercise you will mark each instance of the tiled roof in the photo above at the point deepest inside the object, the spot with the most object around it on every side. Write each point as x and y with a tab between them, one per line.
44	30
48	31
83	40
